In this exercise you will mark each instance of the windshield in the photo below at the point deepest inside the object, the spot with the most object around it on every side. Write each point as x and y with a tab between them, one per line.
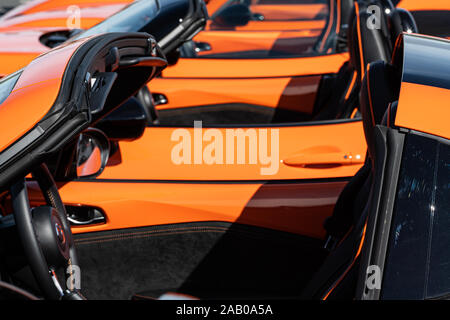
132	19
7	84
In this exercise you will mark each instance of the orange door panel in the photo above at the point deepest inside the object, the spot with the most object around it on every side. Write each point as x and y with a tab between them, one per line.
299	208
255	68
291	42
270	83
289	12
151	156
296	94
282	25
141	186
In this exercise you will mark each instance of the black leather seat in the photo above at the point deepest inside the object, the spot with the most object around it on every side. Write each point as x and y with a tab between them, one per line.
365	45
350	200
337	276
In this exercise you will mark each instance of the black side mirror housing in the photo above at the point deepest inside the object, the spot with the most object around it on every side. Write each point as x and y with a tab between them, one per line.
127	122
234	16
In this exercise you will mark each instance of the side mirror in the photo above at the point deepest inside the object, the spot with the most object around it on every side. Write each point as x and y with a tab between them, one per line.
127	122
233	16
92	153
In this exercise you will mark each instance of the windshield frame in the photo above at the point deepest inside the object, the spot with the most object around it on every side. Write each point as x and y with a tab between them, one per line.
14	77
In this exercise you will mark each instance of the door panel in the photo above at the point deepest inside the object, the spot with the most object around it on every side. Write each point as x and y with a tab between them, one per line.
263	82
254	68
296	93
240	41
289	12
296	207
150	157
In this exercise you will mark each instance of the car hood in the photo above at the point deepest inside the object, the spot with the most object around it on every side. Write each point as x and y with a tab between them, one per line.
67	89
89	16
19	45
38	10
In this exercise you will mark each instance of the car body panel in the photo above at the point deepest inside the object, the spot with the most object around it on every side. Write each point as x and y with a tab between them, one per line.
154	150
418	5
424	85
243	81
60	18
299	209
34	94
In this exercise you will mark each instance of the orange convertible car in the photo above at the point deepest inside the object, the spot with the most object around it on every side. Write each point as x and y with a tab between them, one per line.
249	25
221	82
390	225
321	153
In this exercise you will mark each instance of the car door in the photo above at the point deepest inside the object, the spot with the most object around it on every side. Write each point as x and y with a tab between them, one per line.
211	230
272	68
264	26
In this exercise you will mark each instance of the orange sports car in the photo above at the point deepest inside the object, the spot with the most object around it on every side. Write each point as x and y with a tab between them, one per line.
333	148
387	236
287	80
250	25
218	84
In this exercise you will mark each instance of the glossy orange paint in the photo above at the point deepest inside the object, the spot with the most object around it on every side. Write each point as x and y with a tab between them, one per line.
256	68
57	5
413	98
299	209
56	13
34	94
253	81
139	158
420	5
289	12
144	187
241	41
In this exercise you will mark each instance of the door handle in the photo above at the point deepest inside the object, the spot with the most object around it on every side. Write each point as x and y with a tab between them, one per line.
323	158
159	99
84	215
202	47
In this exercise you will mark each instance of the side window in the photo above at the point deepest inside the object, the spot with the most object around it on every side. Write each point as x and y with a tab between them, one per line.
418	260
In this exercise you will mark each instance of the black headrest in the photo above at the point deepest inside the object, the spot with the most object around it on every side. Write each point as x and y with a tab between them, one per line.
366	44
380	87
401	20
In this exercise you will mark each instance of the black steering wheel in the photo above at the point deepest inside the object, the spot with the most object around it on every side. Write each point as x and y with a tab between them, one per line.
47	238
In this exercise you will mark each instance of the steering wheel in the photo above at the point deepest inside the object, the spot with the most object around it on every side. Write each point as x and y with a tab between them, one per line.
47	238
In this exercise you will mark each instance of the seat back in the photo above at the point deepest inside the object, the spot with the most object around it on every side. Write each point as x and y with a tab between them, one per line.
365	45
337	276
